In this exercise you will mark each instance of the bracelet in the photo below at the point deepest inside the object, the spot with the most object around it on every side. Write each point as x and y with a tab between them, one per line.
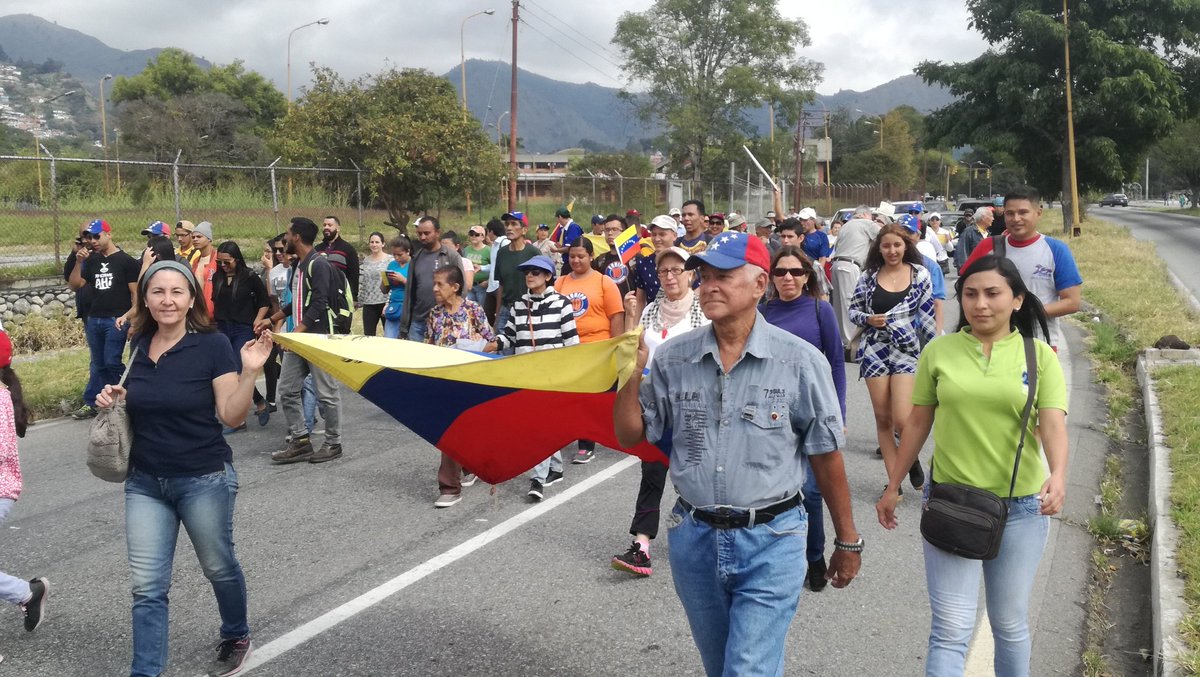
857	546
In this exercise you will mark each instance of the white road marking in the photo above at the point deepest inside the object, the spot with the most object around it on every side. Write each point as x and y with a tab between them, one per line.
983	647
328	620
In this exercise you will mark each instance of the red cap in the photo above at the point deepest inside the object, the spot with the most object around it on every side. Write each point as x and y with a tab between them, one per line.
633	212
5	350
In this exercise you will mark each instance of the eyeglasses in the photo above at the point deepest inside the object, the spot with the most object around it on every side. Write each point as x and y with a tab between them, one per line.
794	272
670	272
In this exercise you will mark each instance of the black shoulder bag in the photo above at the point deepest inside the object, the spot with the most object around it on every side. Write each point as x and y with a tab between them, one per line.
968	521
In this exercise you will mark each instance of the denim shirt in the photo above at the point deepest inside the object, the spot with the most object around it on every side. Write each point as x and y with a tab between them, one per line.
739	439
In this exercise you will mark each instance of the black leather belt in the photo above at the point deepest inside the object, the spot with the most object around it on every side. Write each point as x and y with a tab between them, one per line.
728	518
847	259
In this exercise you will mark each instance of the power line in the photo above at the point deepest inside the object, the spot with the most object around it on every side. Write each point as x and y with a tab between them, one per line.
552	28
567	51
496	76
569	27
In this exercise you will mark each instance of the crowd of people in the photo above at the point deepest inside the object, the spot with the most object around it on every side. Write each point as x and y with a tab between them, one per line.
743	361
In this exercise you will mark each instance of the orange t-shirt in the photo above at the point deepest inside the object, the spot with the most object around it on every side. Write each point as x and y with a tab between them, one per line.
204	276
595	299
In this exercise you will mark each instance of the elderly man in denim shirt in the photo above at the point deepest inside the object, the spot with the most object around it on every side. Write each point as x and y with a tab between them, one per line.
739	404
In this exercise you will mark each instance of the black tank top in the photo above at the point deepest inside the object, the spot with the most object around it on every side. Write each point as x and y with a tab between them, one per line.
883	300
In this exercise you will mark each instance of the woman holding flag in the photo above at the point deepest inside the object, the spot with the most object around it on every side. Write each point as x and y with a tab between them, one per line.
598	308
676	311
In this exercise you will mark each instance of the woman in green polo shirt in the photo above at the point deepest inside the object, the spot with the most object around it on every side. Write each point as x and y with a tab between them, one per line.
970	389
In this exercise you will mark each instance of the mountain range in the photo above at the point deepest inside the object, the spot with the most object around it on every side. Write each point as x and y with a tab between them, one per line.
553	114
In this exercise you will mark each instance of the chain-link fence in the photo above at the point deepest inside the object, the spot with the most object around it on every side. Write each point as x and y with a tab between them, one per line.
44	201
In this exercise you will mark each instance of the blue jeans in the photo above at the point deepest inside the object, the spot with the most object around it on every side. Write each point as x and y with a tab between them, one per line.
238	334
416	330
953	584
815	510
740	589
308	402
106	343
477	293
391	328
502	314
154	508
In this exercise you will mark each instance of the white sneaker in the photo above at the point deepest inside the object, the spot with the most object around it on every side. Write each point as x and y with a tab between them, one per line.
468	479
447	500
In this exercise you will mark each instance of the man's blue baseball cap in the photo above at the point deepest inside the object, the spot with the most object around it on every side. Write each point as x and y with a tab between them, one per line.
731	249
910	222
157	228
916	207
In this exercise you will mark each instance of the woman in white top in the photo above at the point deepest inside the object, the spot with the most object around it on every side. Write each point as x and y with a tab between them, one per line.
372	299
676	311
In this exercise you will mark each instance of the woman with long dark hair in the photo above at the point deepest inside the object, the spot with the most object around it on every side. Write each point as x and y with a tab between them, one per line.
799	308
372	276
971	389
239	300
183	382
893	304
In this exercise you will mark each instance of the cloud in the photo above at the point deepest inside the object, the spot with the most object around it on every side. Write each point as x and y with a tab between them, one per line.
862	43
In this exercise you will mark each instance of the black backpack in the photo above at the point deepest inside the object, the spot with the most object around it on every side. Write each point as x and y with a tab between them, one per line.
341	299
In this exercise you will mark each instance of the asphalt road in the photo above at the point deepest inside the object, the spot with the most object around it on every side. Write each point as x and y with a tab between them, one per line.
1177	238
351	571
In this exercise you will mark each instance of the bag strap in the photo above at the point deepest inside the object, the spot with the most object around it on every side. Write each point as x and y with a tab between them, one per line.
1031	376
129	366
999	246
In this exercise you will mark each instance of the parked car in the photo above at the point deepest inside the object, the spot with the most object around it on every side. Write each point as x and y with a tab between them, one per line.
1115	200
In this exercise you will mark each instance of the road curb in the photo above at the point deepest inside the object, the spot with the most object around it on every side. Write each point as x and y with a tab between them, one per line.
1166	585
1184	291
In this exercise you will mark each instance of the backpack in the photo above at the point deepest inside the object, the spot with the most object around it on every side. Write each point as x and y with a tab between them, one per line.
341	299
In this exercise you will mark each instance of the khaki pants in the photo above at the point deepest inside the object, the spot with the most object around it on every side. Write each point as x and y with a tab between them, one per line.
845	279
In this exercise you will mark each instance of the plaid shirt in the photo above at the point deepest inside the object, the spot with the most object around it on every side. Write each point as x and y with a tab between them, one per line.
909	325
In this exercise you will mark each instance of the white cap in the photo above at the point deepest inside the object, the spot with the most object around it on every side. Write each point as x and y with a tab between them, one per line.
664	222
677	251
807	213
933	216
674	212
770	215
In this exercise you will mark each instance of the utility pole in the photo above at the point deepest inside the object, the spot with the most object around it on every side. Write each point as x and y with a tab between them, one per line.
512	114
800	153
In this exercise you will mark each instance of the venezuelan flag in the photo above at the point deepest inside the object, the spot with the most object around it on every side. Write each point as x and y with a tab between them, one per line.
627	244
476	408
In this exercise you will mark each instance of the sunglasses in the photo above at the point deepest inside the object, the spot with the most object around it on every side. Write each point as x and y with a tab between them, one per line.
475	233
89	236
278	251
794	272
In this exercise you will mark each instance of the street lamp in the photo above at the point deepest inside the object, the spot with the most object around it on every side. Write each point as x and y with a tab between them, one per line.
104	132
981	163
37	144
874	124
318	22
462	53
970	178
498	128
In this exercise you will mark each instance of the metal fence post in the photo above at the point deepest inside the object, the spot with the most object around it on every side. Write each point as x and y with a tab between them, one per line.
54	207
175	179
274	193
362	234
621	189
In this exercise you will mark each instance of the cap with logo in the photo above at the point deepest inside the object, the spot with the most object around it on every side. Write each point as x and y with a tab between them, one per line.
157	228
917	208
732	250
99	226
596	218
910	222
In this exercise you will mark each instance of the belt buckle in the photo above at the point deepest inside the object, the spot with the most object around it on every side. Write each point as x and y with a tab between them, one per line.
722	518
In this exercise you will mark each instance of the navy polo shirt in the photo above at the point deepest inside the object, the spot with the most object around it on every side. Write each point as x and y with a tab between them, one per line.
173	409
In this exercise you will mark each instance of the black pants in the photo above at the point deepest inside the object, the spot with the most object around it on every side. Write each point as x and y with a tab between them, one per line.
650	491
271	371
371	314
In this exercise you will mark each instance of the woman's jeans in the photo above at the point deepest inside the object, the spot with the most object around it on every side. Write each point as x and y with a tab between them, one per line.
12	589
953	584
739	588
239	334
154	508
815	510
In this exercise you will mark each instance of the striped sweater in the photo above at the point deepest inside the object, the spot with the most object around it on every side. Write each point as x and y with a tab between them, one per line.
539	322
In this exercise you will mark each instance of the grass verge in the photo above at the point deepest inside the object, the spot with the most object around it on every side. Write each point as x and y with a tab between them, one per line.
54	384
1179	390
1132	311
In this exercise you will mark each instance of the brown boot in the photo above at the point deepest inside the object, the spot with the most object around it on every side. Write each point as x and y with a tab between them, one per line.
299	449
327	452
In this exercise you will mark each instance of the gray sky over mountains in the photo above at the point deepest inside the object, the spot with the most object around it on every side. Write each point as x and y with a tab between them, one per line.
863	43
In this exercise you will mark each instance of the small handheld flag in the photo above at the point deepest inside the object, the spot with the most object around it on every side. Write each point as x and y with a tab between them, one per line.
627	244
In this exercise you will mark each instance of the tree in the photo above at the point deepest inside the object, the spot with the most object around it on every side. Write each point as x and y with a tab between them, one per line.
705	63
405	128
174	73
209	127
890	161
1177	160
1133	74
629	165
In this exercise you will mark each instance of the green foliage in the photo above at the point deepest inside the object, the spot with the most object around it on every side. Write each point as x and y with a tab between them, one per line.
172	73
703	63
1131	66
892	162
404	128
628	165
1176	160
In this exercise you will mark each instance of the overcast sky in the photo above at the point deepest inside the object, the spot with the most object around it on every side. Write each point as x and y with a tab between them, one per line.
863	43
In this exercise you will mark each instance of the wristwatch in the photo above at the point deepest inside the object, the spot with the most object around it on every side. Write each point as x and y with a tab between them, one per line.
856	546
